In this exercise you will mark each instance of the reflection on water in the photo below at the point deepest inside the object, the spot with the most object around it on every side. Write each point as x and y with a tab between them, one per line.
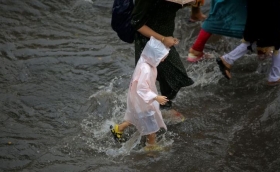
64	78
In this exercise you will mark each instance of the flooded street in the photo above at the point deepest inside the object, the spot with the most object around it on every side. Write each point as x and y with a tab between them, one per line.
64	76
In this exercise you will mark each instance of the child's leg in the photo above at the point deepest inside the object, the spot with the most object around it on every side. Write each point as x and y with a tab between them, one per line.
235	54
117	130
123	126
274	74
151	139
151	143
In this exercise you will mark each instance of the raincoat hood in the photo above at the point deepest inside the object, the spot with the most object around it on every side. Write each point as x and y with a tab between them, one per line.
154	52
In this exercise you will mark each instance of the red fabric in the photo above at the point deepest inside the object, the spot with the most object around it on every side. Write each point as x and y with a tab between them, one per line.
201	40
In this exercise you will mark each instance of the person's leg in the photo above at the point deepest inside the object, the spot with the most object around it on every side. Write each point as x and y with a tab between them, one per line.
201	40
235	54
196	14
151	139
274	74
151	143
227	60
196	51
123	126
117	130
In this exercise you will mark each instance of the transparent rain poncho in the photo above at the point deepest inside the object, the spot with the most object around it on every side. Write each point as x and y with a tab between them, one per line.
142	110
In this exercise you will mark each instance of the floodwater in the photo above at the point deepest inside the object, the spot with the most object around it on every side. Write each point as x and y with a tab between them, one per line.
64	76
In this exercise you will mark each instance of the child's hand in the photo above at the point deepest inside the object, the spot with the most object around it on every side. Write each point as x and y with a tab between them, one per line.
161	99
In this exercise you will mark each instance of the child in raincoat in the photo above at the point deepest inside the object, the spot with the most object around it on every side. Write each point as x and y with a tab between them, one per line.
143	100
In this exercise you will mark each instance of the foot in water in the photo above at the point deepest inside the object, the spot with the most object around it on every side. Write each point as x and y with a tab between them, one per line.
172	116
196	17
116	133
224	67
153	148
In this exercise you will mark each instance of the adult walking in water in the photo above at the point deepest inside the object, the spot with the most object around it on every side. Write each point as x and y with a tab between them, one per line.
227	18
160	23
263	30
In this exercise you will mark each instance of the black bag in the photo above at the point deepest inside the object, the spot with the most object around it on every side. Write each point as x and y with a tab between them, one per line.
121	17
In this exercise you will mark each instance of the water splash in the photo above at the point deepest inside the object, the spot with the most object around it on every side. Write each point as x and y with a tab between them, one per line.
204	73
126	147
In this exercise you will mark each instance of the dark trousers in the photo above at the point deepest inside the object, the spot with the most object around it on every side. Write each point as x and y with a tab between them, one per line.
167	91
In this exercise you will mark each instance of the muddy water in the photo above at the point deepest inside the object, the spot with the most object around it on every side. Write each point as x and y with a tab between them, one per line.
64	76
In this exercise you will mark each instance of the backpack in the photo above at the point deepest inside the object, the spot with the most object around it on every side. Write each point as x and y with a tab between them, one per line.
121	17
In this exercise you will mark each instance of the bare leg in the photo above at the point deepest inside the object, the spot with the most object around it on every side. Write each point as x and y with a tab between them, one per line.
123	126
151	139
117	130
196	14
151	144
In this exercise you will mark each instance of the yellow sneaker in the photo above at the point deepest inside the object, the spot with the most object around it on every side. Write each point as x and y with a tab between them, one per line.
116	133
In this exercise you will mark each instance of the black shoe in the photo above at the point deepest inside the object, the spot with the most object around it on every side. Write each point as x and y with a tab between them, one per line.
224	68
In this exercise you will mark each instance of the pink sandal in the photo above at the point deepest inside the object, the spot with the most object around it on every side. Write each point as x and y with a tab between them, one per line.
193	58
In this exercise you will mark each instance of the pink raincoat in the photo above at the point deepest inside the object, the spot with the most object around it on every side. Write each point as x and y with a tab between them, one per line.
142	110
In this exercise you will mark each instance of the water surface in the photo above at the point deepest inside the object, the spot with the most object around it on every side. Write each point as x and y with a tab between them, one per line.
64	76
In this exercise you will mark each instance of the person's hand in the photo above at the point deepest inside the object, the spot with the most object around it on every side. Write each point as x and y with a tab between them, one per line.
161	99
170	41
